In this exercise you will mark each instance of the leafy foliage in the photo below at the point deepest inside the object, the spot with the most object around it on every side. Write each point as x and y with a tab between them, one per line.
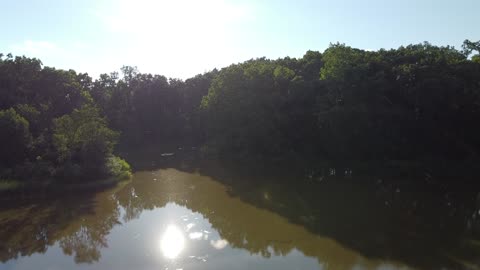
83	137
50	127
15	137
416	102
118	168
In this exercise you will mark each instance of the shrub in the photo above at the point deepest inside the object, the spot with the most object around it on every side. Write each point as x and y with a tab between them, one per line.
9	185
118	168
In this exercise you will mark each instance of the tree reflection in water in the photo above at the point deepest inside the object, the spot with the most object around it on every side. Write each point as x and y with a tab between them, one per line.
79	223
340	222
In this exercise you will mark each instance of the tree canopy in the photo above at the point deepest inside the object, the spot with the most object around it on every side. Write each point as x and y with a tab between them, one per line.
419	101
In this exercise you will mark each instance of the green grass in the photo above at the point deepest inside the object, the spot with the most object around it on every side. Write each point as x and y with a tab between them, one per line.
118	170
8	184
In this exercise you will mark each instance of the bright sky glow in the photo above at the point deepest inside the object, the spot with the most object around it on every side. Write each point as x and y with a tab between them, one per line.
181	38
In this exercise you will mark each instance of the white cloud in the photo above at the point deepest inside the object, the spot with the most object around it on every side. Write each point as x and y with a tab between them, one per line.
195	235
219	244
190	226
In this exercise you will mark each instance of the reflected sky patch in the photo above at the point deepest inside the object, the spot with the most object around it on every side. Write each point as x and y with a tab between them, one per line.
172	242
195	235
219	244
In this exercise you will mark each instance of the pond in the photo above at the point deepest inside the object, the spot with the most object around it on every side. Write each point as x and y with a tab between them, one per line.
174	218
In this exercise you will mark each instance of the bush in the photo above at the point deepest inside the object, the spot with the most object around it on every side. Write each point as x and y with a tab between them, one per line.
118	168
83	138
9	185
34	170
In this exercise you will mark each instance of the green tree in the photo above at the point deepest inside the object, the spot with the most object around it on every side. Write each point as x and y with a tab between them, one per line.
15	138
470	46
83	138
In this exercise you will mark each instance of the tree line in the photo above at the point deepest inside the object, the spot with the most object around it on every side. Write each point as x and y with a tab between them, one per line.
50	126
416	102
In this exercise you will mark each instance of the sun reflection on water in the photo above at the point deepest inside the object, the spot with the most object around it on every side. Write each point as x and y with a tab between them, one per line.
172	242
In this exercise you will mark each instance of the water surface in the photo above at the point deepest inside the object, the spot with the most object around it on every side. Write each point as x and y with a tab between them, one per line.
174	219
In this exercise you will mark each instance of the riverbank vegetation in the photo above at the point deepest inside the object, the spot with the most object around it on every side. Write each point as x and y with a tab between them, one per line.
51	128
415	103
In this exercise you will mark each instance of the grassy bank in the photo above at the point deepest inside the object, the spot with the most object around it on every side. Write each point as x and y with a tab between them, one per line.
11	189
10	185
116	170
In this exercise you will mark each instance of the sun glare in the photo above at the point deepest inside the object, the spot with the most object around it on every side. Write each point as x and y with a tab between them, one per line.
187	36
172	242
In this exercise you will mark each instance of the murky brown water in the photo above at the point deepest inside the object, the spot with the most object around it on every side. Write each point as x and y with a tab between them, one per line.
169	219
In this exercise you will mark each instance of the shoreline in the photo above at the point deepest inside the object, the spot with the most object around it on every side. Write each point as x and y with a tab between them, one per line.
13	189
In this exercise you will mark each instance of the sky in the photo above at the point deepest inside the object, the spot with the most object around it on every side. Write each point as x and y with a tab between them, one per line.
182	38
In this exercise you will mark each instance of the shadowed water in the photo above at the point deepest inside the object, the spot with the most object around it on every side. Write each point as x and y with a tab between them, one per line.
183	219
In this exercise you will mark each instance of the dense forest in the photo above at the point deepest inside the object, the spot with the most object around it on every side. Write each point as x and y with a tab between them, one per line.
418	102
